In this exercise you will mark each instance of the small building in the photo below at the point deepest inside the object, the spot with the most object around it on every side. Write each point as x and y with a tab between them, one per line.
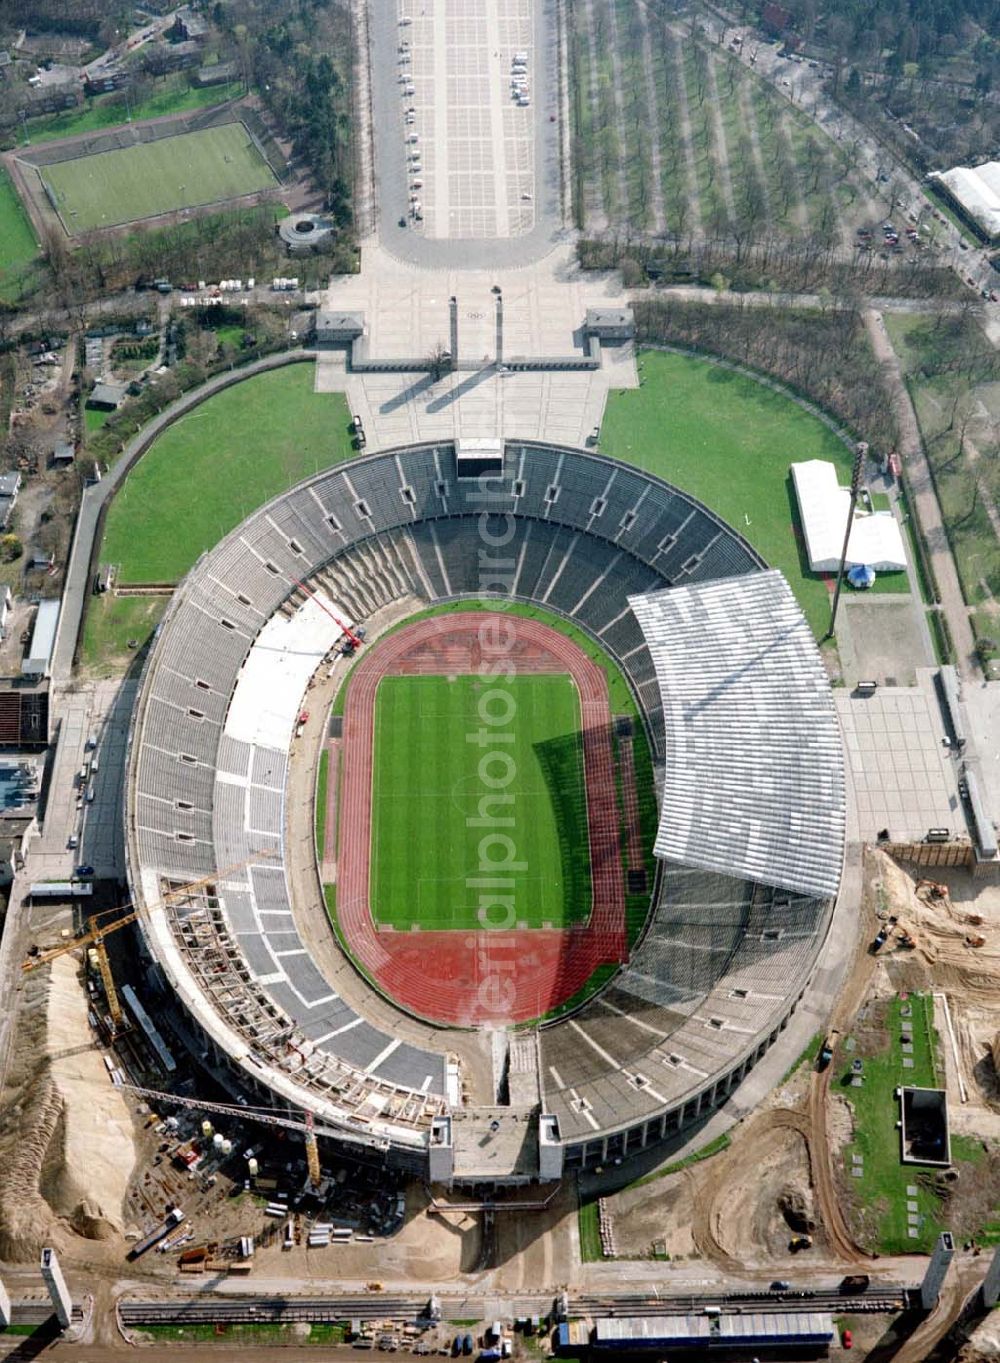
43	640
10	486
187	27
60	889
114	78
306	232
479	457
52	99
64	453
611	324
107	397
924	1133
338	328
221	73
159	58
974	193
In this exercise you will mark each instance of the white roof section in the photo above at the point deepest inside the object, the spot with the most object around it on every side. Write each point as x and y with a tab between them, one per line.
43	640
977	189
268	696
876	538
754	782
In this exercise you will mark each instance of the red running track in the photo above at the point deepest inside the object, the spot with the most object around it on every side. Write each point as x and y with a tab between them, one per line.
468	979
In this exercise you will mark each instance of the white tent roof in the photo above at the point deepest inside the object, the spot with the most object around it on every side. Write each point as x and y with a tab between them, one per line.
269	691
977	189
876	538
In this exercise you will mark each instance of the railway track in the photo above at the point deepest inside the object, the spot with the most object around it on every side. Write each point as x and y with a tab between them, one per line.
886	1298
265	1310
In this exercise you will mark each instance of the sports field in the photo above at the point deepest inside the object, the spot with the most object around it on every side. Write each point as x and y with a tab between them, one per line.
148	178
427	787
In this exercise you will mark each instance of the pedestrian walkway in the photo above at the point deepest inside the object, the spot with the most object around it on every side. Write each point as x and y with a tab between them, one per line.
925	501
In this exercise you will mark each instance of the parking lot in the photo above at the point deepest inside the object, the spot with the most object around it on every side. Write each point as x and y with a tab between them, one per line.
467	84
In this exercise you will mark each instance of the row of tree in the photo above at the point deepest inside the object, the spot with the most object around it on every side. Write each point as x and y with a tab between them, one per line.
772	263
824	357
299	56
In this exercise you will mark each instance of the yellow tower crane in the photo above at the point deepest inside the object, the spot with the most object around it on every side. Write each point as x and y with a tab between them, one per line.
312	1152
96	932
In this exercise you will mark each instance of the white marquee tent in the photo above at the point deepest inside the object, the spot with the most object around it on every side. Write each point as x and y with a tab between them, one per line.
977	189
876	539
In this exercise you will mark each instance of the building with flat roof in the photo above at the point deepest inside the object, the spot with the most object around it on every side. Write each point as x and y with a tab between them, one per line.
107	397
10	486
43	640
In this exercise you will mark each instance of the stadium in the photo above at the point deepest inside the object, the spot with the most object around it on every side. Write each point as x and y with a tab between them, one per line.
513	955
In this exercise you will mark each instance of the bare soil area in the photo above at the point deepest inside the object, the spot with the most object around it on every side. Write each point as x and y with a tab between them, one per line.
655	1218
65	1134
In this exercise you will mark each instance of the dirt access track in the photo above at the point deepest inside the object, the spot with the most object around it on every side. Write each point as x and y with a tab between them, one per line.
470	979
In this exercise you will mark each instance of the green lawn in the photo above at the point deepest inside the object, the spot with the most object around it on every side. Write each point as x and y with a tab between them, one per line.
148	178
729	441
322	782
94	418
881	1189
111	622
589	1224
218	463
431	786
266	1333
18	246
108	111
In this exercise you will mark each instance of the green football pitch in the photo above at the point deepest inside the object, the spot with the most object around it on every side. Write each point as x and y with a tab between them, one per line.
148	178
427	788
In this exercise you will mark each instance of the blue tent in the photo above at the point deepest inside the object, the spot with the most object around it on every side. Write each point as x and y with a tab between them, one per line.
861	576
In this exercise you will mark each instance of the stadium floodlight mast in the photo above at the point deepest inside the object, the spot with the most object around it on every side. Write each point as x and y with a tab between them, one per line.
860	453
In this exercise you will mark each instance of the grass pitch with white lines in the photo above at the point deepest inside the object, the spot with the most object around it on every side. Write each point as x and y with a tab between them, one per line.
149	178
427	787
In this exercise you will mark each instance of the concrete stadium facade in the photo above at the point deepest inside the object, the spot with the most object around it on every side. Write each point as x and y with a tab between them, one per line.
725	955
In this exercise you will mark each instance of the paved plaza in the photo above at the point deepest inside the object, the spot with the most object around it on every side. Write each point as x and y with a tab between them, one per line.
898	768
475	142
406	316
465	106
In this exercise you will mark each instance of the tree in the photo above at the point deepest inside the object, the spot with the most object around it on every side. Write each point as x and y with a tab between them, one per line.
439	361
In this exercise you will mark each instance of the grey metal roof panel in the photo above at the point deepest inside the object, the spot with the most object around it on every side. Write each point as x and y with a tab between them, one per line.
754	781
652	1329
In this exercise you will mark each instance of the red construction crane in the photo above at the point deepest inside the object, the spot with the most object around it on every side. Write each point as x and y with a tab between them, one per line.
336	619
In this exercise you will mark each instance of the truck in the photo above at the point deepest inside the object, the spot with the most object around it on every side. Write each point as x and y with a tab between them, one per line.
174	1218
826	1050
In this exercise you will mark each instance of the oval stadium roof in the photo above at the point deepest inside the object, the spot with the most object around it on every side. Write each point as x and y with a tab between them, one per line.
754	776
